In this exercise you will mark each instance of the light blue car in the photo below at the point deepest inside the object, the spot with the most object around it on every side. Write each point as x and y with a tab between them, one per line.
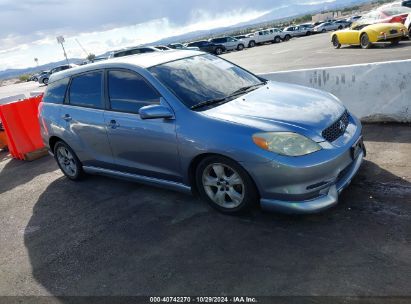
194	122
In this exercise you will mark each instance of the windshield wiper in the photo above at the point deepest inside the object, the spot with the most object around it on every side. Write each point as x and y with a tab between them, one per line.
227	98
209	102
247	88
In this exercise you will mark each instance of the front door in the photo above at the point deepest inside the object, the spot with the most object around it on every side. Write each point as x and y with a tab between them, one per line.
144	147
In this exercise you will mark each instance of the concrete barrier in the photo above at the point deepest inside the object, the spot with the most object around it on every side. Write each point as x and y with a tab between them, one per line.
12	98
374	92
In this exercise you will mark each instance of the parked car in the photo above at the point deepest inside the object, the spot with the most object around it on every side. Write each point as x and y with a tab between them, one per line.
35	77
325	27
407	23
194	122
134	51
406	3
366	35
296	31
44	78
209	47
277	34
179	46
386	14
261	36
230	43
342	24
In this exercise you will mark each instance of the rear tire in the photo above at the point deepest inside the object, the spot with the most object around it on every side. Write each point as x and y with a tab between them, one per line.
68	161
251	44
323	30
225	185
308	33
218	51
46	81
336	42
277	39
365	41
395	41
240	47
287	37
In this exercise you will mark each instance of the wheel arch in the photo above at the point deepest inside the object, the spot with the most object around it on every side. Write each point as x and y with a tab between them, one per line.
197	160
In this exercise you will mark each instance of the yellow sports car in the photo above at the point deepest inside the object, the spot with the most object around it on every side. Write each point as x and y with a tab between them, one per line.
365	34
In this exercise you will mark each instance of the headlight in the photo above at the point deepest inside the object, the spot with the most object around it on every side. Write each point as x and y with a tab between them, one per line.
285	143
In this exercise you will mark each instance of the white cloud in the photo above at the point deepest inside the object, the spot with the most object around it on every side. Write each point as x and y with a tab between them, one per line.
97	42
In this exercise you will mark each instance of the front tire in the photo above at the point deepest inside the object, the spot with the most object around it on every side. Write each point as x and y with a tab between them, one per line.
45	81
218	51
365	41
277	39
240	47
225	185
251	44
395	41
336	42
287	37
68	161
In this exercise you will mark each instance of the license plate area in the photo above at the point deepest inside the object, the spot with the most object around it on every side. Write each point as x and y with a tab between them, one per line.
357	147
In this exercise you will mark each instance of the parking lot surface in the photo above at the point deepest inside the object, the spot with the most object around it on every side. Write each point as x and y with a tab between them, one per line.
105	236
313	52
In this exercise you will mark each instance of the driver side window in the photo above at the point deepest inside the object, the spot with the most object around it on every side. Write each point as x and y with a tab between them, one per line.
128	91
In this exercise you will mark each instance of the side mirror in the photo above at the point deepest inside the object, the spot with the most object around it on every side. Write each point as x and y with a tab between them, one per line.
155	111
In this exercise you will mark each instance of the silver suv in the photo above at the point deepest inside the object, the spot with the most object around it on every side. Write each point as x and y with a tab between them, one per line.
230	43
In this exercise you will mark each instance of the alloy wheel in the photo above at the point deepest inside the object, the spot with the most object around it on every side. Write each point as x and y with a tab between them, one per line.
67	161
223	185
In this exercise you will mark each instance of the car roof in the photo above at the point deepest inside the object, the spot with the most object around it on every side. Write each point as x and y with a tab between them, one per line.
145	61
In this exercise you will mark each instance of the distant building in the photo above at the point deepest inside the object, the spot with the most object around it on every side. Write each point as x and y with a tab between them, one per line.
326	16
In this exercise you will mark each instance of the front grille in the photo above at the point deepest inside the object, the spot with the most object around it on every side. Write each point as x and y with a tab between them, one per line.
337	128
393	32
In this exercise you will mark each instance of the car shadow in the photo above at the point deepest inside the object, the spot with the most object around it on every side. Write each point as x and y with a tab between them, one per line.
104	236
385	134
18	172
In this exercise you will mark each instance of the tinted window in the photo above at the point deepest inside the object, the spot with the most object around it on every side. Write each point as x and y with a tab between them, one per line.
128	92
201	78
85	90
56	91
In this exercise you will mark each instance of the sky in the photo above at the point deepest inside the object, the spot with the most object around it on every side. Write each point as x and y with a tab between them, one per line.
29	27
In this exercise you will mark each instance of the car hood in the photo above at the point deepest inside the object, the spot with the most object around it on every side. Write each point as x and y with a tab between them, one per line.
282	107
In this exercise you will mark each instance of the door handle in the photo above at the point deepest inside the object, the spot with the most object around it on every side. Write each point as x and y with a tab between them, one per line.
66	117
113	124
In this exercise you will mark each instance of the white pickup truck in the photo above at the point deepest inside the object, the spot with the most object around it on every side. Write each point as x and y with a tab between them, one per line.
263	36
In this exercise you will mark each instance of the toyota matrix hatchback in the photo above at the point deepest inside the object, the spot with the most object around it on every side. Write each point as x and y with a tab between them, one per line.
194	122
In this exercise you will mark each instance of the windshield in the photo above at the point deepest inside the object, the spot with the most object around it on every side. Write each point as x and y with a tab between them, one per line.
200	78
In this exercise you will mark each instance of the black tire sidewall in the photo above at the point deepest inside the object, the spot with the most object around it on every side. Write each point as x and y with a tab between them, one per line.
251	193
80	172
361	42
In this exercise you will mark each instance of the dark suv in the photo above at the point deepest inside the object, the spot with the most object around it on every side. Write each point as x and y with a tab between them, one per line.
209	47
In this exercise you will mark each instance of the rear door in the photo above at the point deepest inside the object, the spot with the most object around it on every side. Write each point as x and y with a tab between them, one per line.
144	147
83	120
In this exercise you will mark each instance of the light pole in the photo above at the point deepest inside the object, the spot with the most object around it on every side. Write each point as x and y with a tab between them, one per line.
37	61
60	39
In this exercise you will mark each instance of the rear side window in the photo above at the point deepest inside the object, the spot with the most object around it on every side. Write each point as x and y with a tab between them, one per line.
56	91
85	90
128	92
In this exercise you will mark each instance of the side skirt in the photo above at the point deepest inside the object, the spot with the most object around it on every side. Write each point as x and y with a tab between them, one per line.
152	181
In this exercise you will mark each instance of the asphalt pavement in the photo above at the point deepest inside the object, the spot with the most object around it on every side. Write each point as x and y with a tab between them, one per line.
313	52
105	236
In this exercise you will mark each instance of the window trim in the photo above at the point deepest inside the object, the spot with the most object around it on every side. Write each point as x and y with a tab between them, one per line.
107	102
102	102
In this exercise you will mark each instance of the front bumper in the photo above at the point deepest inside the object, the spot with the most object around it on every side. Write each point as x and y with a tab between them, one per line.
322	202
